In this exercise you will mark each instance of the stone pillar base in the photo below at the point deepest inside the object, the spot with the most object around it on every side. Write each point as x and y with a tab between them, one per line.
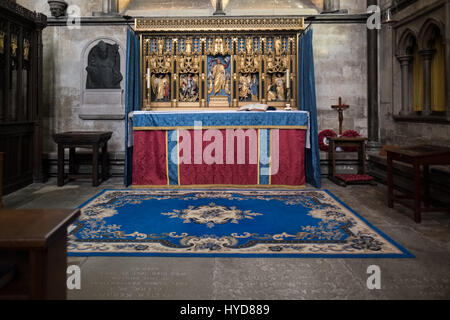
374	146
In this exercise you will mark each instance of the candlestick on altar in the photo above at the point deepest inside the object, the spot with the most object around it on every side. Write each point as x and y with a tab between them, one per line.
288	79
148	78
340	108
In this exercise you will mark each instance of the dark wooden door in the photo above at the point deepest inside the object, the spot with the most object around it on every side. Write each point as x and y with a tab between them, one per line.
20	94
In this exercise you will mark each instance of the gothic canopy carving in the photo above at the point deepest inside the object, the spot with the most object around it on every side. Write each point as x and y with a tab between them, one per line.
220	24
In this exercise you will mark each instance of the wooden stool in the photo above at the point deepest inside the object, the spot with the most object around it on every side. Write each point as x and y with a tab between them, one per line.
344	180
73	140
417	156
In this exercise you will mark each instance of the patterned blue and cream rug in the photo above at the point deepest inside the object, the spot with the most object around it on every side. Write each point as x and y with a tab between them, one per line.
184	223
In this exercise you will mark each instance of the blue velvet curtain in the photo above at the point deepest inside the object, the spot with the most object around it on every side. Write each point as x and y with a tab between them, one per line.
307	100
132	97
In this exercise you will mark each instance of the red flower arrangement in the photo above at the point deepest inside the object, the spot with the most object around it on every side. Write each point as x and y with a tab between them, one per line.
351	134
323	139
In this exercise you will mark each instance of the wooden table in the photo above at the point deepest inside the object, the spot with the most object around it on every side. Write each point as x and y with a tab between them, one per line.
36	241
73	140
344	142
417	156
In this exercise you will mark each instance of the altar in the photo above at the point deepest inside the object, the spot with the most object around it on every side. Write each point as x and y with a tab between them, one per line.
187	80
220	149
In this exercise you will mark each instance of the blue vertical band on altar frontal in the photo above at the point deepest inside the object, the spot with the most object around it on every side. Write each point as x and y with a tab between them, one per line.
172	157
264	156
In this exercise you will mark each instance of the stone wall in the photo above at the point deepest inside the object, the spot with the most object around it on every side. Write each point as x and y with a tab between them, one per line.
340	64
341	71
63	82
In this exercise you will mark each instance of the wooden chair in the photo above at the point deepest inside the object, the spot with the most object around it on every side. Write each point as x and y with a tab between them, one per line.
1	179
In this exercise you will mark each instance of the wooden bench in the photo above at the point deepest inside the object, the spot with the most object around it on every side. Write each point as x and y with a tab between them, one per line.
92	140
1	179
34	244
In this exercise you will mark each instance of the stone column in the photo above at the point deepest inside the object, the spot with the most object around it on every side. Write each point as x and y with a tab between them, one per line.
427	56
106	7
447	54
331	6
405	62
447	66
373	126
114	6
109	8
219	9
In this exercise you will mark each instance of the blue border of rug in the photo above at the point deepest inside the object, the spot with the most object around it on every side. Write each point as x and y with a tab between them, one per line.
405	253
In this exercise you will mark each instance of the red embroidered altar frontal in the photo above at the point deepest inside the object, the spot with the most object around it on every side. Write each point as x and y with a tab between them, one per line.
235	158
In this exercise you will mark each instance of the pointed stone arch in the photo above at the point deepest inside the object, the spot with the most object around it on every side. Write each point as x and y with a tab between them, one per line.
407	42
430	30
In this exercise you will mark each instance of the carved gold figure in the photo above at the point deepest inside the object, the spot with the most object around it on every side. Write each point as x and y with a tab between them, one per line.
280	85
277	46
228	86
249	46
271	92
189	61
218	47
161	46
161	61
244	86
188	47
2	42
26	49
219	77
160	87
210	84
189	88
219	66
14	46
249	59
277	59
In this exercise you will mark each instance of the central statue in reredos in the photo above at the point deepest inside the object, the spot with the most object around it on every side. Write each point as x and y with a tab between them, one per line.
219	63
219	53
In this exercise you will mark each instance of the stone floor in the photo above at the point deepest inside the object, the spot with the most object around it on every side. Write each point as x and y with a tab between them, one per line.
425	277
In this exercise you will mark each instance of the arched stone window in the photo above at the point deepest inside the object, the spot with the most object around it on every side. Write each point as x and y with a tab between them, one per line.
421	56
406	48
433	52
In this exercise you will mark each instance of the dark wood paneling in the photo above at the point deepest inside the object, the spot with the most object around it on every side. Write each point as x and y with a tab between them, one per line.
1	179
16	142
20	137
